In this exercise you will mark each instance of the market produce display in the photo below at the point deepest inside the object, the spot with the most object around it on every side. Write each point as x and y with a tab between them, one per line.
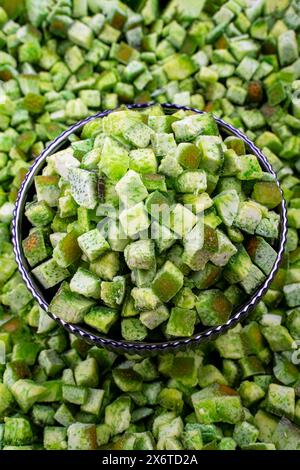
63	60
180	244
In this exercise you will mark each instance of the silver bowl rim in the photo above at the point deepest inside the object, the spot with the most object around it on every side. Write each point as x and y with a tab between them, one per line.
133	347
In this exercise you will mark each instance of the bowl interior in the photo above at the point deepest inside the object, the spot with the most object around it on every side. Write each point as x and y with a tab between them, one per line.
21	228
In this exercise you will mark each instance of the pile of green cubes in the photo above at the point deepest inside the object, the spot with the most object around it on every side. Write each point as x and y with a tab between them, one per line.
154	223
62	60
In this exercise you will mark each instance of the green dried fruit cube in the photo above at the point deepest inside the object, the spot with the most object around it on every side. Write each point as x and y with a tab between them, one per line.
131	189
252	280
225	250
67	250
112	293
200	244
143	161
26	393
144	298
249	216
93	402
188	156
118	415
179	67
154	182
74	394
85	283
86	373
167	282
50	273
107	266
101	318
140	254
138	135
133	330
80	34
163	144
83	187
114	160
281	400
17	432
250	393
267	193
292	294
227	205
247	68
50	361
55	438
67	207
249	168
62	161
190	127
191	181
268	226
69	306
39	213
213	307
278	338
181	322
36	247
93	244
134	220
169	166
261	253
182	220
245	434
287	47
153	318
217	403
211	153
82	437
47	189
198	203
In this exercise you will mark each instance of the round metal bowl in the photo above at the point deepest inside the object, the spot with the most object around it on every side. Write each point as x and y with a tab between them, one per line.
20	227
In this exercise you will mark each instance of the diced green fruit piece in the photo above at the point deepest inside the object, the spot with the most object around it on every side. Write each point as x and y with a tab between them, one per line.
93	244
114	160
50	273
191	126
262	254
213	307
67	250
69	306
133	330
83	187
101	318
140	254
131	189
82	437
181	322
267	193
167	282
281	400
113	292
35	246
117	415
134	220
26	393
85	283
227	205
